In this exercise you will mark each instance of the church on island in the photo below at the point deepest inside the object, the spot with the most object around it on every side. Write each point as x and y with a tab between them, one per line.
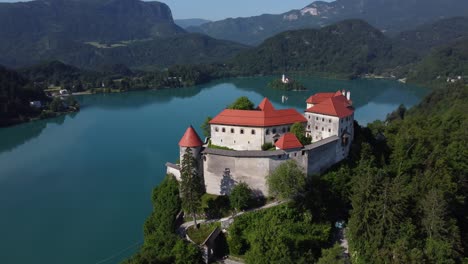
234	152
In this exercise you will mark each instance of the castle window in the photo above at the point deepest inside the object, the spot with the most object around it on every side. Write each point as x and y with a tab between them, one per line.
289	129
274	130
303	152
216	129
253	132
284	130
323	128
342	120
316	127
308	127
242	131
329	130
316	118
232	130
267	132
329	121
224	130
323	119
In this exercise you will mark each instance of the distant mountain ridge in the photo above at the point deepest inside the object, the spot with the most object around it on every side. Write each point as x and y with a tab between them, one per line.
349	48
387	15
191	22
86	20
92	33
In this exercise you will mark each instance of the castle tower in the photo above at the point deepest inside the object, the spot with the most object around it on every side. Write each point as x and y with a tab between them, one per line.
190	140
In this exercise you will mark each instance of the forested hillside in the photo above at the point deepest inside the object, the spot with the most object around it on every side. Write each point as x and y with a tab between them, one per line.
409	189
349	48
422	39
15	94
447	62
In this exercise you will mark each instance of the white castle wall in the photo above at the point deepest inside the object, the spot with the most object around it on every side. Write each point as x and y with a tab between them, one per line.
245	138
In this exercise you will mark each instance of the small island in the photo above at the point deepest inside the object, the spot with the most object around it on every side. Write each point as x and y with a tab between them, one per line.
286	84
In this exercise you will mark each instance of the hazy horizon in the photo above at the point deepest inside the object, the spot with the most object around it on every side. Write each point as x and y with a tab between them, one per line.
216	9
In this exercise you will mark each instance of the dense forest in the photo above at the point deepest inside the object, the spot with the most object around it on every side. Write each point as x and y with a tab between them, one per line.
407	188
447	62
15	94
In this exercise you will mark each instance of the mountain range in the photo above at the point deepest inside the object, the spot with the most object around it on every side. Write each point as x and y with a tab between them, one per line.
391	16
92	33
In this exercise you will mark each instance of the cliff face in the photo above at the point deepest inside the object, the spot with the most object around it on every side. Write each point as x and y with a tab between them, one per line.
85	20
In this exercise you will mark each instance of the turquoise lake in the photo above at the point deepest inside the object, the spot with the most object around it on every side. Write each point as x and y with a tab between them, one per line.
77	189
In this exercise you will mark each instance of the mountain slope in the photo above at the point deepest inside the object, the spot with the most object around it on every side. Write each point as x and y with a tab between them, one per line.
422	39
191	22
92	33
387	15
351	47
85	20
158	52
449	61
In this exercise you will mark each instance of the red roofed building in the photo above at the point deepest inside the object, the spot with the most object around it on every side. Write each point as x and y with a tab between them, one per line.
288	141
250	129
329	114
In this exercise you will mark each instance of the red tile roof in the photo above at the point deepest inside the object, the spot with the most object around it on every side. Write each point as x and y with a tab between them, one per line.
288	141
265	116
332	104
319	97
190	139
266	105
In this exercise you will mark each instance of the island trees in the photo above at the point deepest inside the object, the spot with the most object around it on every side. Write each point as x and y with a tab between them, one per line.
191	185
287	181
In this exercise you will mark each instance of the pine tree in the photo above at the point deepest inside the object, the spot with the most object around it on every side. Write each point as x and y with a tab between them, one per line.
191	187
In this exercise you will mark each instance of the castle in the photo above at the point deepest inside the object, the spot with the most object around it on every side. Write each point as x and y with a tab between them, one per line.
328	120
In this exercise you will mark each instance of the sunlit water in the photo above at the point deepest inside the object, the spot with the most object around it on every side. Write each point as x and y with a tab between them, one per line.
76	189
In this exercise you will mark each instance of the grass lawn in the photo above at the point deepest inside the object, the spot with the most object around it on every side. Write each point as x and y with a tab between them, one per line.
199	235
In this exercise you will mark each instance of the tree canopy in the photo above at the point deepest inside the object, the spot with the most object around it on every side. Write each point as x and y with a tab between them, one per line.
242	103
191	185
240	196
161	243
286	181
298	130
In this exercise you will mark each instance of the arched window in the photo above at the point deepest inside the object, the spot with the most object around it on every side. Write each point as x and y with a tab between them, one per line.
224	130
267	132
242	131
253	131
274	130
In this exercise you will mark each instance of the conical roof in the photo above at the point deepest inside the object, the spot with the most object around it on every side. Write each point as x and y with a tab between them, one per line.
190	139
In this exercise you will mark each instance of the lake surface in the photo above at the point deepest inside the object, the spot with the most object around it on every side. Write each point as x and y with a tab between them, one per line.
76	189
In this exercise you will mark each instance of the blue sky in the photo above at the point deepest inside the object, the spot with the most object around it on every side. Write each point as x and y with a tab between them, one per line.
220	9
